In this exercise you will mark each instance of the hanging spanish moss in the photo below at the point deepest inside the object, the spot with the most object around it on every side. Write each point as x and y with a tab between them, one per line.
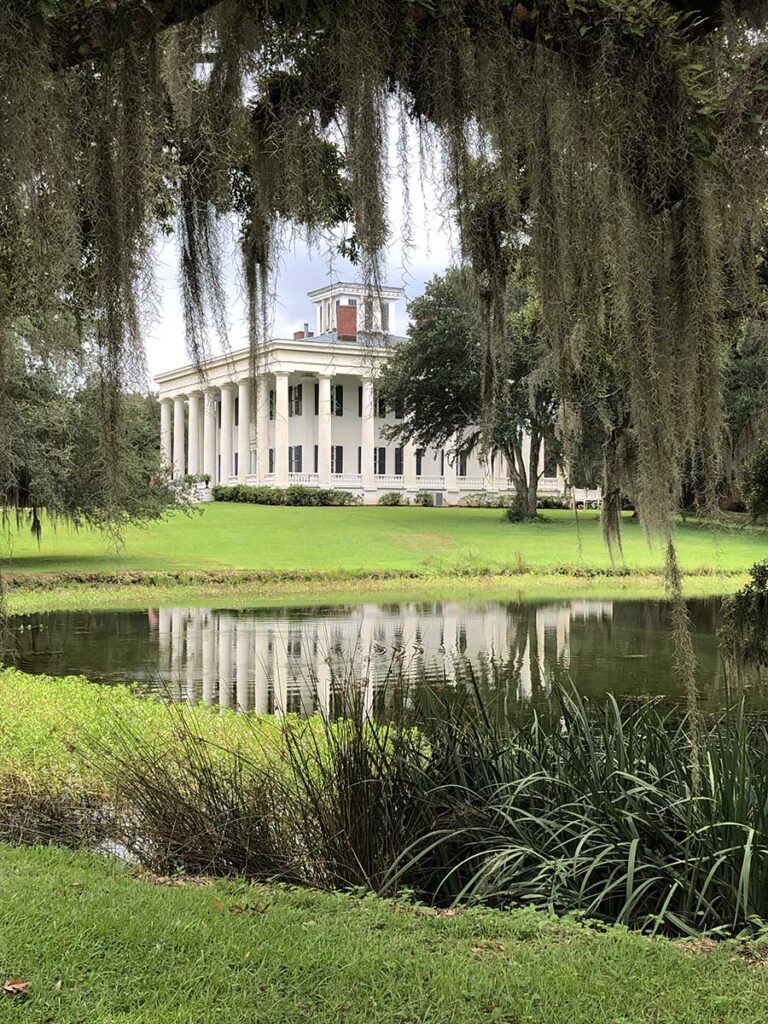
627	138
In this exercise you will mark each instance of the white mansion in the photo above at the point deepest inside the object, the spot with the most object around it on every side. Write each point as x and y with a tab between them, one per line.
318	419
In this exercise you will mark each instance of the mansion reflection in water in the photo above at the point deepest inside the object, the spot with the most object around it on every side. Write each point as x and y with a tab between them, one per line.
294	661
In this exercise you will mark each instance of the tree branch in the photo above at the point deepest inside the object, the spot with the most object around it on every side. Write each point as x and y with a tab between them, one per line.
112	24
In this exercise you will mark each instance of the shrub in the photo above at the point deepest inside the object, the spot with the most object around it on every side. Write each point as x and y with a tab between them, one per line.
393	498
518	512
296	494
583	807
756	483
424	498
552	501
484	499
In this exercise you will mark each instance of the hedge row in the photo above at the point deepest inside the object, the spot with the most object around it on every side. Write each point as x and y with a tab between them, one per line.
294	495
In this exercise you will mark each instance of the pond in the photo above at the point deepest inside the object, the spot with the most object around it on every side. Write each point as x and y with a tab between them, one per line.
272	659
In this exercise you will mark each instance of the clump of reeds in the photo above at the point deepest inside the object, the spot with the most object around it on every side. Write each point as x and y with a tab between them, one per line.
573	807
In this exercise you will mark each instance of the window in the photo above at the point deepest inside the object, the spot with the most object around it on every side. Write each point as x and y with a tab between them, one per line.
237	411
271	460
337	458
294	458
399	410
379	461
360	400
462	464
398	461
271	403
381	407
237	462
419	459
218	467
317	459
218	413
338	400
368	314
442	463
294	399
317	398
550	463
351	302
385	316
359	459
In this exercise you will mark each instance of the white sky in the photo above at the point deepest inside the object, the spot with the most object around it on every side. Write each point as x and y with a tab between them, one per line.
410	264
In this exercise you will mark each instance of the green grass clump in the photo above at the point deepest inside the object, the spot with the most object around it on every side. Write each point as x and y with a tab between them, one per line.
97	944
366	540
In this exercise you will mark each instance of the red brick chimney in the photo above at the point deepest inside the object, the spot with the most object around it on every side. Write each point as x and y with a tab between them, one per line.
346	322
298	335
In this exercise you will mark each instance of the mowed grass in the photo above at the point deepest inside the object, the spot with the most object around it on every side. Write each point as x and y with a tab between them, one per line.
370	539
96	944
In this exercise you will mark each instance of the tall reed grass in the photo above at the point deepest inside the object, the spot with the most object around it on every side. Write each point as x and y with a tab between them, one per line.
573	807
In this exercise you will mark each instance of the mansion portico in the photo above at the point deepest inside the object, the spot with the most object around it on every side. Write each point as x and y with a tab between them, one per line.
314	416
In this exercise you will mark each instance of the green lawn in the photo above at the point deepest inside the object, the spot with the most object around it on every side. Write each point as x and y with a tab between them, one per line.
364	540
96	944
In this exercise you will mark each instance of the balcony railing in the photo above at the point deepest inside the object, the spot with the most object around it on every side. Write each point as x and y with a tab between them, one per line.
305	479
389	480
472	483
430	482
346	480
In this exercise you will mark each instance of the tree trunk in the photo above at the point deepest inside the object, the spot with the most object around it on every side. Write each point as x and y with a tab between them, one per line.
533	474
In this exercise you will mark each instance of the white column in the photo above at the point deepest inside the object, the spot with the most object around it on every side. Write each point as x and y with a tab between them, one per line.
282	430
243	430
262	430
324	425
209	435
178	437
451	481
165	431
194	465
368	436
410	480
227	427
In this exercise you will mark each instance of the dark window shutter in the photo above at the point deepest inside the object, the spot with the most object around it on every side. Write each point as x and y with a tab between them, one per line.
398	461
360	401
317	399
317	457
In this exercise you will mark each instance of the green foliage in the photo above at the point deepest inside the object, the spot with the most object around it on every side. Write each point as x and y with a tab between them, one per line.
588	808
755	479
744	632
296	494
424	499
517	512
55	456
438	374
392	498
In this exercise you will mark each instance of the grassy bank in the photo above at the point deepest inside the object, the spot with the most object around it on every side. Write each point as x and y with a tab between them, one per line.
97	944
339	542
62	596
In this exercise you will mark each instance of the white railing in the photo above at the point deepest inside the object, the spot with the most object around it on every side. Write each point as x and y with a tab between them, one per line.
306	479
424	482
472	483
346	480
269	480
588	496
389	480
550	485
252	480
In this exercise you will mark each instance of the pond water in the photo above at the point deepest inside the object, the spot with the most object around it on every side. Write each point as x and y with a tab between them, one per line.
272	659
